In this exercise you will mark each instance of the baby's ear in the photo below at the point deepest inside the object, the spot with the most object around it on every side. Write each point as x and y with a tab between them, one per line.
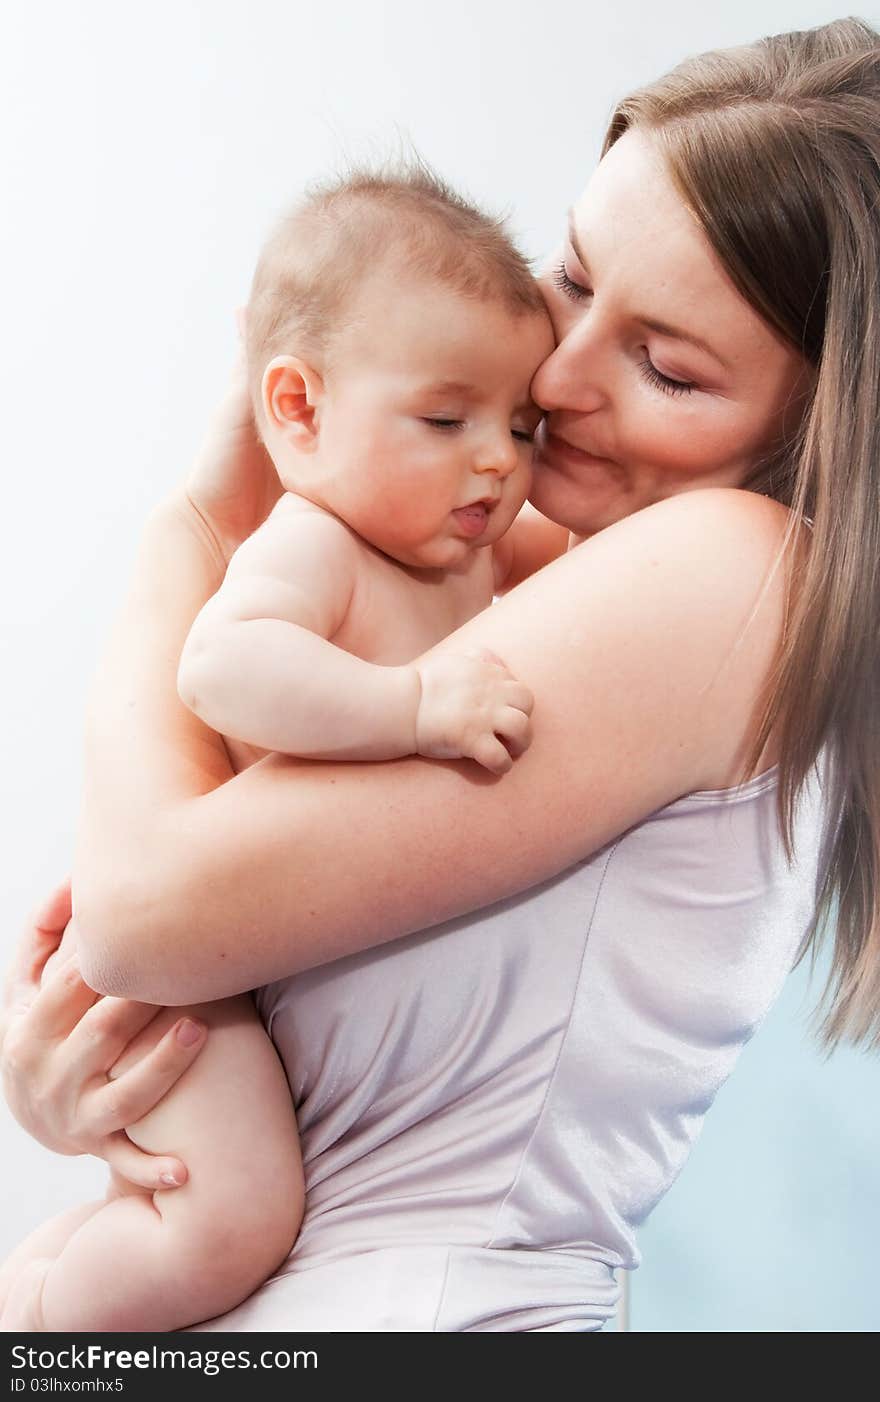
292	392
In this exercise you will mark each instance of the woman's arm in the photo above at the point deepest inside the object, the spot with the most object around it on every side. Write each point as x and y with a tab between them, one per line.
647	649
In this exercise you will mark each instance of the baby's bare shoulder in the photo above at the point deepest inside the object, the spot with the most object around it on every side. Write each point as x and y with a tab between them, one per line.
298	536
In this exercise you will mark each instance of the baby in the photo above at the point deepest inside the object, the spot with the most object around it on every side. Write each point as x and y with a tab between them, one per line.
392	336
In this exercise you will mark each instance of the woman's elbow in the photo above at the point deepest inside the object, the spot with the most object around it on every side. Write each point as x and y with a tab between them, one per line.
106	939
118	941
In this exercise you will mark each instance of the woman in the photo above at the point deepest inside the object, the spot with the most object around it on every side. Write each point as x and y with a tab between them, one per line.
488	1110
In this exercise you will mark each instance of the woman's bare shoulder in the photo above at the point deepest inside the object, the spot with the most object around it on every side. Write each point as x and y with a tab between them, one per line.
729	524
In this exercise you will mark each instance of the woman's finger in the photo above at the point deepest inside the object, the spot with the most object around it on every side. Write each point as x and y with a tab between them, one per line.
60	1003
42	936
54	913
145	1170
127	1099
101	1036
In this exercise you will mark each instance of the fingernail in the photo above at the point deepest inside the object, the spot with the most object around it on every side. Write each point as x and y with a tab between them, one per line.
170	1179
189	1032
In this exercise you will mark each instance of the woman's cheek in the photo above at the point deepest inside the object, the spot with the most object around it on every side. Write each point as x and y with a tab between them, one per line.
681	443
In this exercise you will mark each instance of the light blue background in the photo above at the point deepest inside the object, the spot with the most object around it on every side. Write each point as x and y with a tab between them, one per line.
774	1223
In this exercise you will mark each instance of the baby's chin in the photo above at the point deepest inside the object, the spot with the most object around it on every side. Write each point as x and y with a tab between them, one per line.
445	554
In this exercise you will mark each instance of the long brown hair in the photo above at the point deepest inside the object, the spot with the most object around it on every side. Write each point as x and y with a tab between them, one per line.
776	149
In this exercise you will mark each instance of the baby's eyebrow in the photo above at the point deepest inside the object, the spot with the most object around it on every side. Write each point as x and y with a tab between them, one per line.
451	387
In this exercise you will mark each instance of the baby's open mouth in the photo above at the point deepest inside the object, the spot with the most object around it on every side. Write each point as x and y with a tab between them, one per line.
473	519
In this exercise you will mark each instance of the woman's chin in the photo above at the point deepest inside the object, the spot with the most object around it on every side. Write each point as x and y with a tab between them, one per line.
583	509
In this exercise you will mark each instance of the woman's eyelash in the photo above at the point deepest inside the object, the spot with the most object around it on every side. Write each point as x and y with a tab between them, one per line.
663	382
566	285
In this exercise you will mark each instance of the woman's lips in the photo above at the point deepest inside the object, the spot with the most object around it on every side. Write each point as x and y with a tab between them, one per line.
552	447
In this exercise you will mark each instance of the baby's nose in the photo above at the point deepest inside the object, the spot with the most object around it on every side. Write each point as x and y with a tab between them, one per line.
499	454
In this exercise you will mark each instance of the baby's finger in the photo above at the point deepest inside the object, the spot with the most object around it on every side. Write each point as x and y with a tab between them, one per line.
145	1170
491	754
515	729
515	694
127	1099
102	1034
484	654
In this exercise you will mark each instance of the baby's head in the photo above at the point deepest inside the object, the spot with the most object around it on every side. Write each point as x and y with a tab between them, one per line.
392	335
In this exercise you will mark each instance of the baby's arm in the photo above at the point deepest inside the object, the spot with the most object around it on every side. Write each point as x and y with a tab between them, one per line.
531	543
260	665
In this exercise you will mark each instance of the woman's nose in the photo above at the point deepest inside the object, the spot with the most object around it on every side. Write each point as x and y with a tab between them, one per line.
571	377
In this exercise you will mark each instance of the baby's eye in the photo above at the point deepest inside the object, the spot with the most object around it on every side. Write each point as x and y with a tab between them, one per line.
525	435
442	423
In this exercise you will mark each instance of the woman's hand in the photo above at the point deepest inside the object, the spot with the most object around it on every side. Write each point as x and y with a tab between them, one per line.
233	484
58	1044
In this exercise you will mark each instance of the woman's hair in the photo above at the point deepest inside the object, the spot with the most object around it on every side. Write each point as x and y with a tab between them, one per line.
775	147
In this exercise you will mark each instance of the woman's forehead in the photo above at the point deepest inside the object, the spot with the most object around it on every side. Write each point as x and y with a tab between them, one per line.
639	241
631	209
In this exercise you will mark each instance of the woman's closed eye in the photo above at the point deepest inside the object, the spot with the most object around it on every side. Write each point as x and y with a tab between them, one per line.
574	290
664	383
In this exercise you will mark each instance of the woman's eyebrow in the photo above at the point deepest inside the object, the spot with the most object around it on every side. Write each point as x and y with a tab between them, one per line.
661	327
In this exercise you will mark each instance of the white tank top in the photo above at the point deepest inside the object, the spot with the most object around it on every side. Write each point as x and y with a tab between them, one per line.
489	1110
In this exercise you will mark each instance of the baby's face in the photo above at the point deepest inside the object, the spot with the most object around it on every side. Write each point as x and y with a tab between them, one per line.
427	421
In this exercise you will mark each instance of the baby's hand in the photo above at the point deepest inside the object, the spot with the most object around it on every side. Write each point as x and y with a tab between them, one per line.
470	704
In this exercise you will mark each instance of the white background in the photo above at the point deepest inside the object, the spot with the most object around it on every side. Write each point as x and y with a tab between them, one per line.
145	150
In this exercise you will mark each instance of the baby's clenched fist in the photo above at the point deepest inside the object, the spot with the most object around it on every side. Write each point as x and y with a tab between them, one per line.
471	707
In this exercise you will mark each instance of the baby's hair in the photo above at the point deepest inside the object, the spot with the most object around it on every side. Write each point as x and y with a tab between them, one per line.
312	266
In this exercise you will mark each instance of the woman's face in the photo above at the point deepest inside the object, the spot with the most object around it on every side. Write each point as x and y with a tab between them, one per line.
664	379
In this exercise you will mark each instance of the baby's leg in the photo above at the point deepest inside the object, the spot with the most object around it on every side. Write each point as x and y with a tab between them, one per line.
163	1260
41	1247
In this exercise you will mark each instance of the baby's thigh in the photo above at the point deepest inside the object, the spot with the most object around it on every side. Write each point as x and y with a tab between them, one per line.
230	1117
